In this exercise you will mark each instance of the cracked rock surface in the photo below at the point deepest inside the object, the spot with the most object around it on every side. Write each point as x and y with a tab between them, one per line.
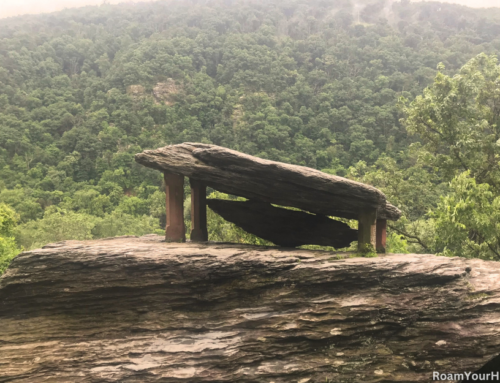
268	181
140	310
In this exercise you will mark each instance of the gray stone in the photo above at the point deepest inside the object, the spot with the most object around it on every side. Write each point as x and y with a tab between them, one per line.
262	180
142	310
284	227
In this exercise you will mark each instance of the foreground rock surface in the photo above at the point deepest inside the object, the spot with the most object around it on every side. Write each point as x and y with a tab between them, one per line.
139	310
284	227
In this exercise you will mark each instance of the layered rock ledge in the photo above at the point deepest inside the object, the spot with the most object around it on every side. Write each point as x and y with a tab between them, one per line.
141	310
268	181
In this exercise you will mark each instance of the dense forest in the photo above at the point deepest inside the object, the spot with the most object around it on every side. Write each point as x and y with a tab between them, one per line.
404	96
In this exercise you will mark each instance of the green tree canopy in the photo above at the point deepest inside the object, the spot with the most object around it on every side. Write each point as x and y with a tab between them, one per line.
309	82
8	248
458	119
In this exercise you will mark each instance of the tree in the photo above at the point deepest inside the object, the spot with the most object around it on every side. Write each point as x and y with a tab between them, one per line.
458	119
467	221
411	186
300	83
8	247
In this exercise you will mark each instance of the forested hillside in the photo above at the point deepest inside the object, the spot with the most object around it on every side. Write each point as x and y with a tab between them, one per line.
320	83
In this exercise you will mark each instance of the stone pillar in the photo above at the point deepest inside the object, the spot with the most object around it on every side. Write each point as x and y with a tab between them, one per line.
198	211
367	229
174	190
381	235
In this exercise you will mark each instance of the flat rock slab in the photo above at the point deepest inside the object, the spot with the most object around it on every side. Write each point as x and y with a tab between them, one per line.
262	180
284	227
141	310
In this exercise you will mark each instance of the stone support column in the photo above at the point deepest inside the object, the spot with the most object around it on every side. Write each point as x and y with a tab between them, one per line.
367	229
174	190
198	211
381	235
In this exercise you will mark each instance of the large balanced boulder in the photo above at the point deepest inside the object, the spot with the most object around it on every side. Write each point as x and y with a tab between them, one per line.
141	310
268	181
284	227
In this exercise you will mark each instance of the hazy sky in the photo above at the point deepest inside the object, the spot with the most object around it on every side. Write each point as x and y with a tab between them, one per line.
20	7
475	3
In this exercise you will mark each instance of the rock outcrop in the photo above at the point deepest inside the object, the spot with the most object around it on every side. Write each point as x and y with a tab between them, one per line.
268	181
164	92
136	91
284	227
141	310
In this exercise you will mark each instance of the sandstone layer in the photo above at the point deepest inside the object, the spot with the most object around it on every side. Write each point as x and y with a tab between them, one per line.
141	310
268	181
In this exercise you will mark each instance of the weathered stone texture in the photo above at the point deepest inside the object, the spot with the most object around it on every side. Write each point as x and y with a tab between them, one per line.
141	310
284	227
274	182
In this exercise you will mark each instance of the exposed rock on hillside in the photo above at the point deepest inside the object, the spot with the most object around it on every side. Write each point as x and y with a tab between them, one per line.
140	310
136	90
164	91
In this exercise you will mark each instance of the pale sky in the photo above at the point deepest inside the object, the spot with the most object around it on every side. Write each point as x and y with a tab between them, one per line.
475	3
20	7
